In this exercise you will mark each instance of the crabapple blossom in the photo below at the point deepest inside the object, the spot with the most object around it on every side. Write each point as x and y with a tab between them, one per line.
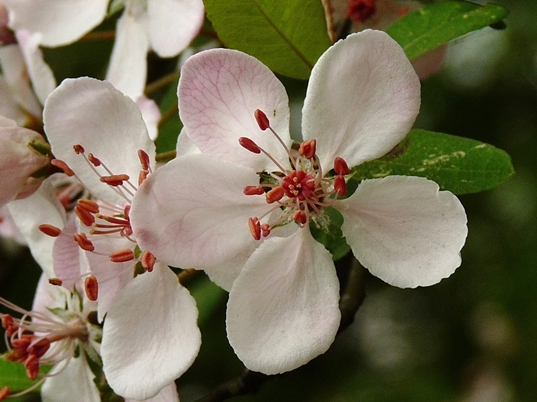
58	332
98	135
242	208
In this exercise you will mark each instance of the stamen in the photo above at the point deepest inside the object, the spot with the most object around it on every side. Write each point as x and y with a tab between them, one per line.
276	194
94	160
340	186
248	144
255	228
253	190
4	392
341	167
308	148
145	161
148	261
50	230
79	149
83	241
300	217
262	119
115	180
55	281
122	255
91	286
84	215
63	166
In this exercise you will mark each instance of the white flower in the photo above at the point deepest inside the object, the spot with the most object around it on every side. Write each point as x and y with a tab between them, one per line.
100	137
207	210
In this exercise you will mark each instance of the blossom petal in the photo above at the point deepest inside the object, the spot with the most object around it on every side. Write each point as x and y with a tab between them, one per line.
173	24
283	308
150	338
219	91
185	145
74	384
128	63
362	99
105	122
190	214
59	21
404	230
168	394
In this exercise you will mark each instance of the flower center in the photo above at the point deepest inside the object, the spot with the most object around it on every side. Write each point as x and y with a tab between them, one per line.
103	220
299	192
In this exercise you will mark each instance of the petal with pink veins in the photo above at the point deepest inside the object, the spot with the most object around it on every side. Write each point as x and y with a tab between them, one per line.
219	91
283	308
362	99
148	331
404	230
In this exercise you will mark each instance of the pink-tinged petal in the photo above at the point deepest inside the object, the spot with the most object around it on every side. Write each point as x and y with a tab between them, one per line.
69	261
74	384
48	296
283	308
16	75
41	75
59	21
9	231
41	207
185	145
112	277
149	338
128	64
173	24
362	99
219	91
105	122
168	394
192	212
9	107
404	230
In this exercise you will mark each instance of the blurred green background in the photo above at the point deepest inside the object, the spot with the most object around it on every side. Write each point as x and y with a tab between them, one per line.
471	338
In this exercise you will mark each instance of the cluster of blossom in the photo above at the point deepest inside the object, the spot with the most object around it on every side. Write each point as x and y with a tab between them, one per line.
81	184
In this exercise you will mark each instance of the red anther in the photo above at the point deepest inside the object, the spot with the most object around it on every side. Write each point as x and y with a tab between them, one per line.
4	393
63	166
79	149
253	190
32	367
255	228
127	211
275	194
39	348
89	205
55	281
91	286
249	145
148	261
84	215
94	160
115	179
308	148
340	166
340	186
113	219
83	241
361	10
144	159
22	343
50	230
262	119
121	255
142	176
300	217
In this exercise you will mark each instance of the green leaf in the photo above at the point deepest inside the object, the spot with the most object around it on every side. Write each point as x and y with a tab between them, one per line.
330	235
14	376
170	126
457	164
287	35
435	24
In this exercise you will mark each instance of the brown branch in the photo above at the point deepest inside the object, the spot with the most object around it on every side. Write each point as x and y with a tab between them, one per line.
250	382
